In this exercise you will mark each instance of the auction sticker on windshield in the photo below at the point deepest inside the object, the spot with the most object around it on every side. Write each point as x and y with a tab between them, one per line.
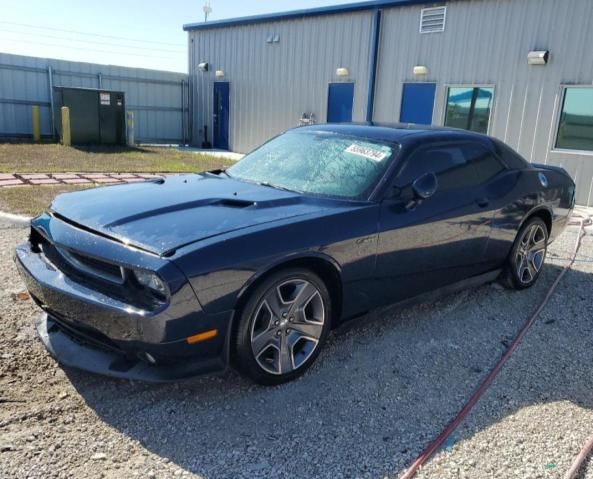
365	152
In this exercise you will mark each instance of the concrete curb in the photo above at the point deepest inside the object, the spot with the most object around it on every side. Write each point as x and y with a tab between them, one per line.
15	220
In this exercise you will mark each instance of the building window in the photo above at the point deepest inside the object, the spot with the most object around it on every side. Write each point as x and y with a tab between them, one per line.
469	108
575	131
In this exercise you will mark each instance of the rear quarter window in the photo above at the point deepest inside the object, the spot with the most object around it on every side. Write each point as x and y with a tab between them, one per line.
484	163
512	159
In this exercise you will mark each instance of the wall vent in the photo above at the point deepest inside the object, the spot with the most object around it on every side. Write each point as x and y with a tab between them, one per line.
432	20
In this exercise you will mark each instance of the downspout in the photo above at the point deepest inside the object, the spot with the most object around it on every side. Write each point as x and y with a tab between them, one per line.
373	63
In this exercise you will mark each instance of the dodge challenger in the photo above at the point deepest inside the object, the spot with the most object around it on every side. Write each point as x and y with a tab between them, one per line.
252	266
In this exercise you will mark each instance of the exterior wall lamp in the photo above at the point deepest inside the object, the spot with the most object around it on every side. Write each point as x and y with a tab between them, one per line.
540	57
420	70
342	72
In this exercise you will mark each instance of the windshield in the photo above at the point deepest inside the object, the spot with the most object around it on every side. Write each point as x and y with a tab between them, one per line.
319	163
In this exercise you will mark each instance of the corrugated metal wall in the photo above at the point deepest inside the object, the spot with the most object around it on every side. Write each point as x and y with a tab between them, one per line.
273	84
486	42
154	96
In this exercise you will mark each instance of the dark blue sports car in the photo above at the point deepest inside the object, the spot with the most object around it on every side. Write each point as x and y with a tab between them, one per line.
252	266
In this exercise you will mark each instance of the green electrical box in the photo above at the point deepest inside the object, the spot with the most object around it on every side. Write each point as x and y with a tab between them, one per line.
97	117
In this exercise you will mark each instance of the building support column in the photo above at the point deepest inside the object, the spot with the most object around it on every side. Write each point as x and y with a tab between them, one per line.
373	63
50	82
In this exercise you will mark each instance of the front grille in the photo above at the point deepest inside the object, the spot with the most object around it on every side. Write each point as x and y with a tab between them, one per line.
67	260
92	266
105	277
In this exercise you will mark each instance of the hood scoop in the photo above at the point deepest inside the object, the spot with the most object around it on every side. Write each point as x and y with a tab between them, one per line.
235	203
189	205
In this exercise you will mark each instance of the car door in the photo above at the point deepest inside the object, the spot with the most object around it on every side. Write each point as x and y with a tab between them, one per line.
429	243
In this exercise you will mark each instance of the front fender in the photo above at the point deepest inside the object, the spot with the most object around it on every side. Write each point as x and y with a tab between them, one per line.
285	261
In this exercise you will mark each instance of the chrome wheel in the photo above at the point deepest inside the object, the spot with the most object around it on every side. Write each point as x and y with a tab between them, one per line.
531	253
287	326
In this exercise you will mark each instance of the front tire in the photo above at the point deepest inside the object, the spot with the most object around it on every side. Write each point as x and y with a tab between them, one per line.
282	327
527	257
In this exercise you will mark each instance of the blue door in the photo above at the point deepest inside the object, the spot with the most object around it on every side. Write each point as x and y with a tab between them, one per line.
417	103
221	115
339	102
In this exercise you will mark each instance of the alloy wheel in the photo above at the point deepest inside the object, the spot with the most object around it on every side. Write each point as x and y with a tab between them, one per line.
530	253
287	326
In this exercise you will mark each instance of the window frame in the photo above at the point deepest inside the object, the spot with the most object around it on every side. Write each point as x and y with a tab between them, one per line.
445	101
553	148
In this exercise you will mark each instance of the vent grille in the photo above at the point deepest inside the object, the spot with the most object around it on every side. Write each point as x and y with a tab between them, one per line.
432	20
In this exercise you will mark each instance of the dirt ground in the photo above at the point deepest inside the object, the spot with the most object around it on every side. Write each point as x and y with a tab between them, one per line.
380	391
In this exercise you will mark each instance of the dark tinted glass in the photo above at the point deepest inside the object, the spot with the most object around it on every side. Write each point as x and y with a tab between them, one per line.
484	163
576	122
511	158
469	108
446	162
456	166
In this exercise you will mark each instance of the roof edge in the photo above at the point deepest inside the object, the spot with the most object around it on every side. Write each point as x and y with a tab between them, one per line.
310	12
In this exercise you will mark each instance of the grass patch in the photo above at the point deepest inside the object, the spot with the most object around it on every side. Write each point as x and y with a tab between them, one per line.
33	200
55	158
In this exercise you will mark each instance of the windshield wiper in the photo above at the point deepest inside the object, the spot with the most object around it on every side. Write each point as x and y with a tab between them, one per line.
270	185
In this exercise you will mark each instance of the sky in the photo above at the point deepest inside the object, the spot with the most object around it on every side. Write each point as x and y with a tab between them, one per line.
136	33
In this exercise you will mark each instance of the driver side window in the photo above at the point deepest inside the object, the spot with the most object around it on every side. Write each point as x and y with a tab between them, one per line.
447	162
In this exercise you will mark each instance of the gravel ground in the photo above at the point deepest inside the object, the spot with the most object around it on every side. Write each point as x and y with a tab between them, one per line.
380	391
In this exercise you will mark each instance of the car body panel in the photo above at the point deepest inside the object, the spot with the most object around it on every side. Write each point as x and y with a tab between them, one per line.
212	238
162	215
344	237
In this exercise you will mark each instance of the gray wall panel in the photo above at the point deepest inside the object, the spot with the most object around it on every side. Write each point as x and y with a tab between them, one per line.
272	85
154	96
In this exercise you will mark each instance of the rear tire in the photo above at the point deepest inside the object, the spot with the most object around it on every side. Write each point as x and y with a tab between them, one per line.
282	327
526	259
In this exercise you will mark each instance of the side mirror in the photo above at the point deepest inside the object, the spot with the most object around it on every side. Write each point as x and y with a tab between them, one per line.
425	186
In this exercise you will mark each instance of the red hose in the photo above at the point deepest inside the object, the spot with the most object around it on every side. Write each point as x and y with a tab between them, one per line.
580	459
475	397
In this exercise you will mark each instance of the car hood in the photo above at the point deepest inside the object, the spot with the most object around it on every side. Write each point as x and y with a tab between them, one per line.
163	215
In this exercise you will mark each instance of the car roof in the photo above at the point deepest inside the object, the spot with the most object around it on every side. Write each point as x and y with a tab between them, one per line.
403	133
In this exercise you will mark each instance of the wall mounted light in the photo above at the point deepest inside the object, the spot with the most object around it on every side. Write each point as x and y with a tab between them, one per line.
342	72
539	57
420	70
203	67
219	73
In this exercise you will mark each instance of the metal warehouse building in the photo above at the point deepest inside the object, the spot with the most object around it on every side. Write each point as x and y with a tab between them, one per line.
519	70
157	98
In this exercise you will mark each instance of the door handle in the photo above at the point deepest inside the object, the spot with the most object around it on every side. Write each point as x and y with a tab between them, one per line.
482	202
